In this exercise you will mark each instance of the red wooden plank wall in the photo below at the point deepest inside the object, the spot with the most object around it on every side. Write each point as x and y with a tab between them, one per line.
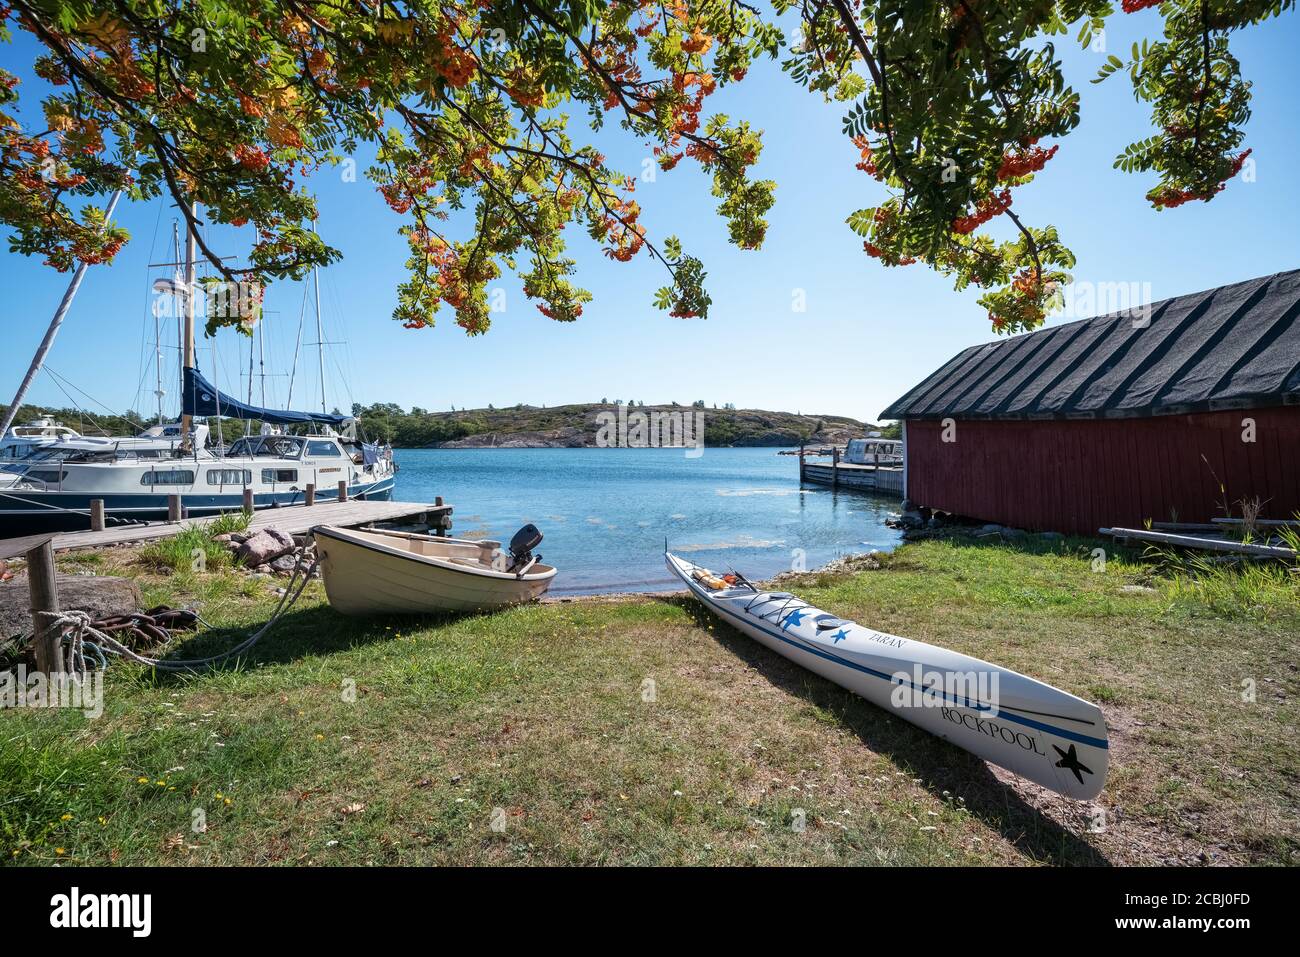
1082	475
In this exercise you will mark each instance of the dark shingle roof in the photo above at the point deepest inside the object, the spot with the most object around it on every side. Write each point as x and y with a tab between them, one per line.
1237	346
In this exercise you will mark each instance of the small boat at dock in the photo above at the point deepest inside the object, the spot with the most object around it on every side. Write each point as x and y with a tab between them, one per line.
374	572
1041	733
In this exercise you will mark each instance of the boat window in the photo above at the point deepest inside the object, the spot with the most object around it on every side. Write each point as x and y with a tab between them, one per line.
241	447
48	476
323	449
281	446
279	475
230	476
169	477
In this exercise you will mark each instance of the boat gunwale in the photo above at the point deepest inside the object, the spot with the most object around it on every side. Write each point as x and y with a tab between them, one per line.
346	536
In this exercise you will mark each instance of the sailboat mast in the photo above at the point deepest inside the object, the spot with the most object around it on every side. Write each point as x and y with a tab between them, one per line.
251	357
39	359
261	355
157	326
320	335
187	336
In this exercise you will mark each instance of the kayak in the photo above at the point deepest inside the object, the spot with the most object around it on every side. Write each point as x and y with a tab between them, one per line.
1041	733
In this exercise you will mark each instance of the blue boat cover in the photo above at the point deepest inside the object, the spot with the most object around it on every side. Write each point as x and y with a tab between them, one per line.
201	398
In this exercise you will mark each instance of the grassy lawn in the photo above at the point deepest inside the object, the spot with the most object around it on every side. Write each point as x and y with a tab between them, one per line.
641	731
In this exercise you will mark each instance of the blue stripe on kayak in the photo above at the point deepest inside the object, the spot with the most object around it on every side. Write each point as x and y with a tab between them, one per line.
1019	719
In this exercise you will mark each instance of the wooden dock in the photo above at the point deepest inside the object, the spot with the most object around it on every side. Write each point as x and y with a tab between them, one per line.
884	479
294	519
868	478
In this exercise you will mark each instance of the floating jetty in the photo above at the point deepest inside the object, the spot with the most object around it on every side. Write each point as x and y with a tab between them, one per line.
294	519
883	479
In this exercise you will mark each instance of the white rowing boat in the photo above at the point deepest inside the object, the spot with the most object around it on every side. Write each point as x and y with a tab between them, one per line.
1042	733
378	572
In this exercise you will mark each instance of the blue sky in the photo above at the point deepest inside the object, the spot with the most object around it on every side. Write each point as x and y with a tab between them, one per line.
867	335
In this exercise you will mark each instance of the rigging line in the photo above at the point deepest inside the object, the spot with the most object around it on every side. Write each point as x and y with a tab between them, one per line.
108	408
347	388
139	388
349	357
340	330
76	405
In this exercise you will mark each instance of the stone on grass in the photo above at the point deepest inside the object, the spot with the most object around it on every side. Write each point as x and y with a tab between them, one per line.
265	546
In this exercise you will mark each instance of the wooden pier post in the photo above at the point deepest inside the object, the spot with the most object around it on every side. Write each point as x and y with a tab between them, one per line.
309	496
173	508
439	528
800	463
343	490
47	637
96	514
248	501
835	467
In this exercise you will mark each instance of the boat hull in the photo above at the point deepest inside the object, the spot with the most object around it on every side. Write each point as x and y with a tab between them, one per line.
1042	733
364	578
24	511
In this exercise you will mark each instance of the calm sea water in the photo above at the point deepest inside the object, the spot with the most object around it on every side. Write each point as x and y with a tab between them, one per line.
605	512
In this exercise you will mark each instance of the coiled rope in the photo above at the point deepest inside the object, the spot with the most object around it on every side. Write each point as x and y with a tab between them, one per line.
77	628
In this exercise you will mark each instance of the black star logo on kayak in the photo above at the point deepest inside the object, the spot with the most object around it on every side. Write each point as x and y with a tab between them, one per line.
1070	761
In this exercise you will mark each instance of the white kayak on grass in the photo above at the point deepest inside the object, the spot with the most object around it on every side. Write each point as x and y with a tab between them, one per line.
1041	733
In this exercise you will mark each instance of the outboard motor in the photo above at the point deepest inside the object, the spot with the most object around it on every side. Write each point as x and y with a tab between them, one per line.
521	549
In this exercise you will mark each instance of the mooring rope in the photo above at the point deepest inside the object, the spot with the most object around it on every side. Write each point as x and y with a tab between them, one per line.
77	626
57	508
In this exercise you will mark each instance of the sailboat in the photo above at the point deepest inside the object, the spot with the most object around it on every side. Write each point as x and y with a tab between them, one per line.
275	466
46	439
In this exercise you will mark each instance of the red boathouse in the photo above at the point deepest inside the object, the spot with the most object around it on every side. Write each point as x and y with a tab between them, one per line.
1176	411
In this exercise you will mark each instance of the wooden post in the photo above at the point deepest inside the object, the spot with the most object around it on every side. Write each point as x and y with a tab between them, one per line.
48	638
248	501
96	514
343	490
173	508
800	463
835	467
309	496
439	528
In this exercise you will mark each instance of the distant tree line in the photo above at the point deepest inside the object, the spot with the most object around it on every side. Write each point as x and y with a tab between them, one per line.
389	422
